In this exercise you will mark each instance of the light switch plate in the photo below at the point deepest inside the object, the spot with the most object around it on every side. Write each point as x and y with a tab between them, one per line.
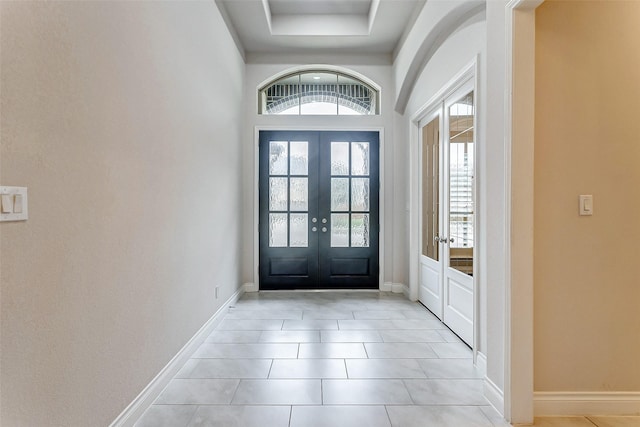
16	198
586	204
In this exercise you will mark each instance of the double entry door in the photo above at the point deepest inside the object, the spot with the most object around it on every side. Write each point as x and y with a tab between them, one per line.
447	147
318	204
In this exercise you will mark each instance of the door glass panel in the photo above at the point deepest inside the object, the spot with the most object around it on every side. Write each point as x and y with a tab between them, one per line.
277	230
299	230
299	194
278	158
359	158
461	173
339	158
431	189
360	230
278	194
339	230
359	194
299	158
339	194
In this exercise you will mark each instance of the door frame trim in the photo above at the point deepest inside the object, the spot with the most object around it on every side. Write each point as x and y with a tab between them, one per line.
256	188
469	72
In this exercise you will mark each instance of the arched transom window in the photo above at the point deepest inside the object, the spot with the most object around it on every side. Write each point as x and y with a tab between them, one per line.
318	93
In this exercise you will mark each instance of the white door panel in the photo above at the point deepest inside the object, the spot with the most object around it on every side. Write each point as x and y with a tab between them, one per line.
447	220
430	285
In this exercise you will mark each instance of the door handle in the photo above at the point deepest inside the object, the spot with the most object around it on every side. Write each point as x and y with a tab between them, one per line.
324	229
436	239
314	220
324	220
314	229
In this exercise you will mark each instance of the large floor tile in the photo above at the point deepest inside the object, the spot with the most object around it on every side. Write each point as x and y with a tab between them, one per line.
437	416
308	368
494	416
332	351
452	350
449	336
365	392
446	392
290	336
167	416
350	336
399	350
250	325
413	335
312	324
198	392
342	416
227	368
234	337
615	421
241	416
419	314
378	315
384	368
278	392
327	314
450	368
247	351
562	422
265	314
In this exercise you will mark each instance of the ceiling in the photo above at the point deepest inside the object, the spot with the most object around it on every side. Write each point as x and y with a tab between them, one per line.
319	26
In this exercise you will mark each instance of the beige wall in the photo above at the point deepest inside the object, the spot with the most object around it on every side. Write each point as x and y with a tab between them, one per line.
587	284
123	119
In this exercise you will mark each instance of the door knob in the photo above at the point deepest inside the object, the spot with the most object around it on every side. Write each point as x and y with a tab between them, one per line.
314	220
436	239
324	220
314	229
324	229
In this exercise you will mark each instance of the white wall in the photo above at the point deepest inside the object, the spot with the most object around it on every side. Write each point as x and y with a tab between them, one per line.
124	120
392	225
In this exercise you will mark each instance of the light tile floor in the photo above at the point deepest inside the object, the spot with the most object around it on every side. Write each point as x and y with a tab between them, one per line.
320	359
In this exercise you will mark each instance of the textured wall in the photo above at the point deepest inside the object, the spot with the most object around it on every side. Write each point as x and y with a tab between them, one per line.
587	290
123	119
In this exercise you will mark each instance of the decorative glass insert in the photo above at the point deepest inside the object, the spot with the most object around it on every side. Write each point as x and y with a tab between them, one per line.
360	230
339	230
299	191
360	194
339	194
319	92
298	227
278	199
339	158
278	230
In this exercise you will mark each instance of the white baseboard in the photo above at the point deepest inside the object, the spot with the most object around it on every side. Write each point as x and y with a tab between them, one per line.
586	403
250	287
494	394
396	288
141	403
481	363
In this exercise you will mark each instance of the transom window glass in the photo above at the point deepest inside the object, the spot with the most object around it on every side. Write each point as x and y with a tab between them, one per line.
318	93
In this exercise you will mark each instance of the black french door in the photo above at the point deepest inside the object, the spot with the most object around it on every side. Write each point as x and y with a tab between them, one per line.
319	209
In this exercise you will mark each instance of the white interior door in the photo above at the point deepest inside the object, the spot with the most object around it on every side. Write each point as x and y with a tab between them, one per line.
448	212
